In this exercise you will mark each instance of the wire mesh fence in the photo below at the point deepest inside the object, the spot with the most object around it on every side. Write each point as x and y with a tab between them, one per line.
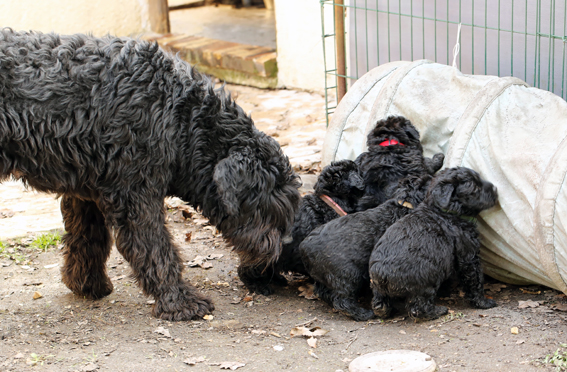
521	38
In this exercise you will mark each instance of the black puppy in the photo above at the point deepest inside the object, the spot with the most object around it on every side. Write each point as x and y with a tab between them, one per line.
394	152
336	193
421	250
336	254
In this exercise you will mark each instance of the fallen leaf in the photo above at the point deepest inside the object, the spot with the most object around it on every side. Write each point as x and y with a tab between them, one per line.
89	368
248	298
33	284
163	331
313	354
206	265
222	284
231	365
208	317
526	304
258	332
308	332
275	334
527	291
307	292
188	237
312	342
559	307
37	296
403	332
6	213
514	330
193	361
214	256
201	221
494	287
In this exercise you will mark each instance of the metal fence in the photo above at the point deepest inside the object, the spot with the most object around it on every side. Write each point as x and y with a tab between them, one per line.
521	38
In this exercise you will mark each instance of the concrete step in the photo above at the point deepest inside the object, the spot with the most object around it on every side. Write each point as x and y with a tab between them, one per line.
231	62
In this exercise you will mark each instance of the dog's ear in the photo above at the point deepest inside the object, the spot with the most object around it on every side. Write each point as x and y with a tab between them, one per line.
226	177
234	177
355	180
442	194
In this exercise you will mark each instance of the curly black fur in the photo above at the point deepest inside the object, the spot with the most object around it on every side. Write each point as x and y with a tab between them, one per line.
341	181
383	166
115	125
420	251
336	254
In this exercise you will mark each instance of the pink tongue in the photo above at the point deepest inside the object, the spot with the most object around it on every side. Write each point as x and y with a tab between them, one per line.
390	143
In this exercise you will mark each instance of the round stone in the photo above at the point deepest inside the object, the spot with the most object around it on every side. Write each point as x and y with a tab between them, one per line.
393	361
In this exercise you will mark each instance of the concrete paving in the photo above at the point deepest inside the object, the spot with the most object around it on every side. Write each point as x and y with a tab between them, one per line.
295	119
253	26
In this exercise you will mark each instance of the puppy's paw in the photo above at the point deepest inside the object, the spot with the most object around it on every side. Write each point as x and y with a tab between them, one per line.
429	313
382	310
96	287
185	304
361	315
484	303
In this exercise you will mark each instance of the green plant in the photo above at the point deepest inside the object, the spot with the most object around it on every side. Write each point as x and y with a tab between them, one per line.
558	359
47	240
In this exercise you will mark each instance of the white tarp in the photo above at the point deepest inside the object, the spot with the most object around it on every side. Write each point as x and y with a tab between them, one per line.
513	135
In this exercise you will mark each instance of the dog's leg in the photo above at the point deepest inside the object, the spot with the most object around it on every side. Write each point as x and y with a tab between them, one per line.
381	304
143	240
348	306
422	305
258	278
472	279
87	245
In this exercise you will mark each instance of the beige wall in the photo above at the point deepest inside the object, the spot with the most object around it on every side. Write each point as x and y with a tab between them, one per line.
100	17
299	43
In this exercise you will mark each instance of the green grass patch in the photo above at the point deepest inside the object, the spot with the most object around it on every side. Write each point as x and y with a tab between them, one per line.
558	359
44	241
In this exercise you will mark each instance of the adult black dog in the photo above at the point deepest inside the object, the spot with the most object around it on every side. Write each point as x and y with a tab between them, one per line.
421	251
336	254
394	152
335	194
115	125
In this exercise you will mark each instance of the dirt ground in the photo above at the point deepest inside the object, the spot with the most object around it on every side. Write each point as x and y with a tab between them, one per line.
58	331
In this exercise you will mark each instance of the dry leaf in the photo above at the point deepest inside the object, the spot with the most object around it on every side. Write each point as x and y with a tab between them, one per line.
163	331
193	361
312	342
206	265
231	365
214	256
208	317
307	292
188	237
514	330
201	221
307	332
258	332
559	307
248	298
527	291
37	296
495	287
313	354
403	332
275	334
526	304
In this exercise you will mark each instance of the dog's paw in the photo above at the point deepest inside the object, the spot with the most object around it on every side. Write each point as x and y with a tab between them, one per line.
93	289
382	310
361	315
185	305
429	313
484	303
261	289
